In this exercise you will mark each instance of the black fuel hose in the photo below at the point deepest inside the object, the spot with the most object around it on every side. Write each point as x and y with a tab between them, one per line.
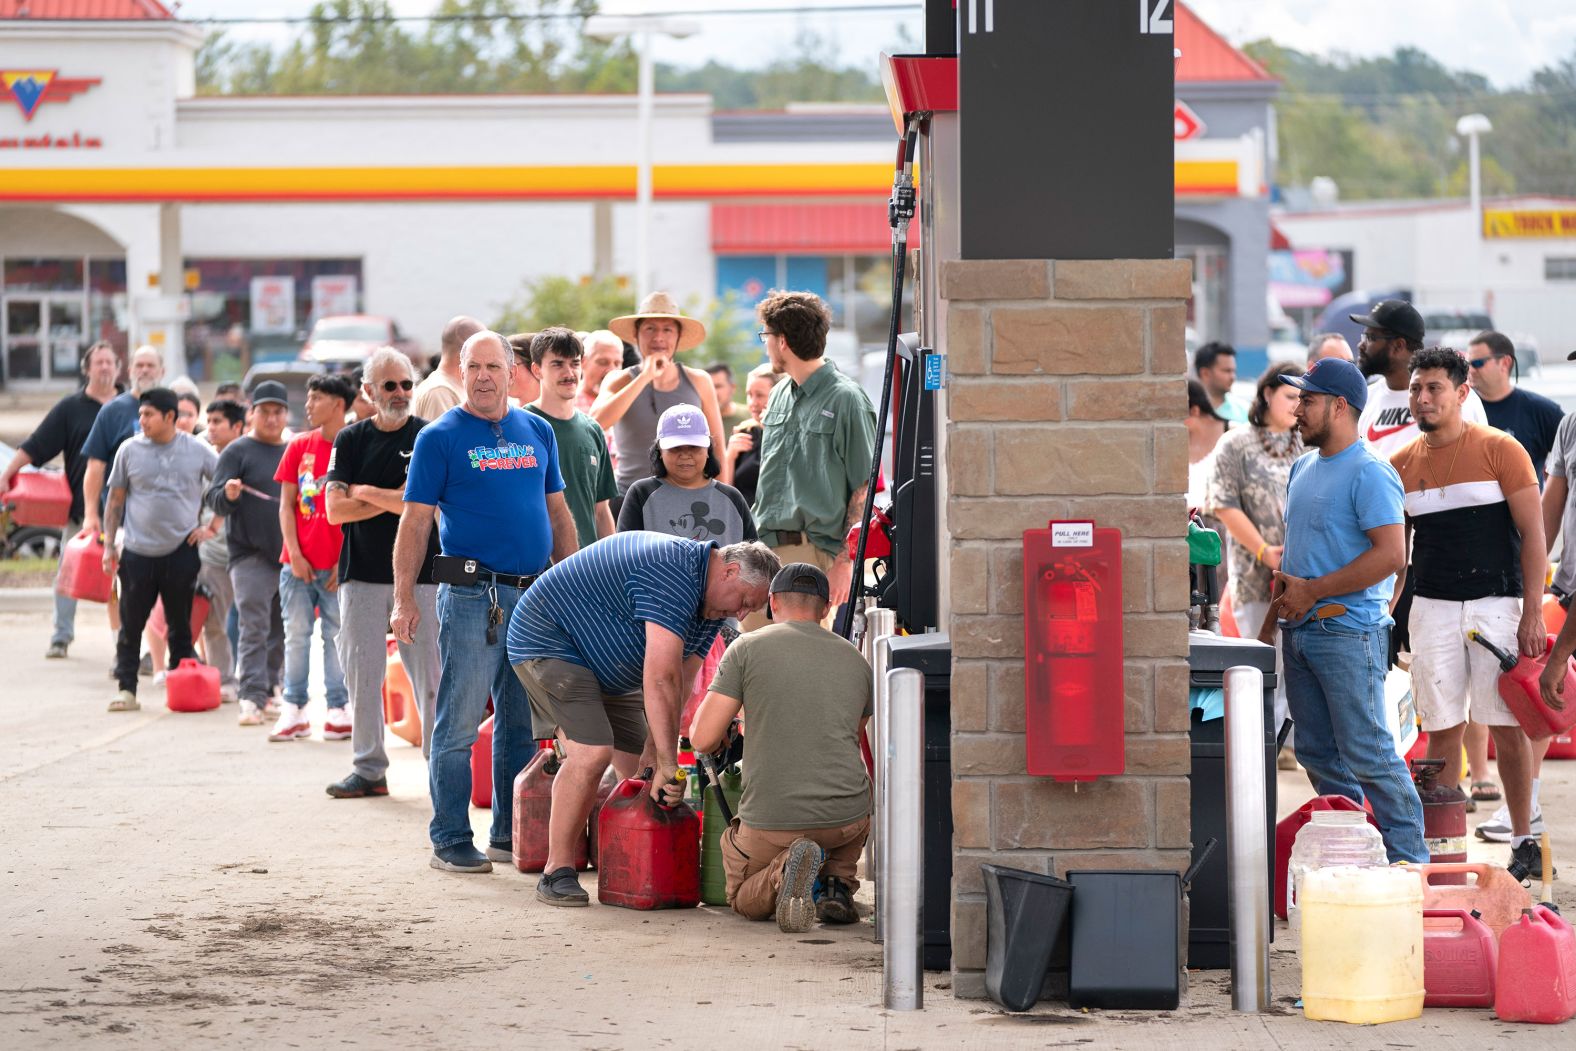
900	210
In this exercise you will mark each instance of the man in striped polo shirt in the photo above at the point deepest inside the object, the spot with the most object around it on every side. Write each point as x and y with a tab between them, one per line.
606	644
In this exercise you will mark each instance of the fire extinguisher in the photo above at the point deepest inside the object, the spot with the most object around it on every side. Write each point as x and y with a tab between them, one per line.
1444	812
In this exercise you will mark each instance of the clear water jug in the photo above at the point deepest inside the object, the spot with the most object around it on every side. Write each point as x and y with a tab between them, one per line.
1331	837
1362	944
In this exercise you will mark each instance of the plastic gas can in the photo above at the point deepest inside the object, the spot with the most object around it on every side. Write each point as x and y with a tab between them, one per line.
533	805
39	498
713	882
648	856
82	573
1489	891
481	765
401	713
1537	969
1362	945
1459	959
192	686
1518	688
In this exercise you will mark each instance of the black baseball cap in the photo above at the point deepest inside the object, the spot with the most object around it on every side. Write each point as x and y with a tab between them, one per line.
801	578
270	391
162	399
1393	315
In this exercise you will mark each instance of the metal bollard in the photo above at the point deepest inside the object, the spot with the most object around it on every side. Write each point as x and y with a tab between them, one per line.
1247	858
879	625
902	877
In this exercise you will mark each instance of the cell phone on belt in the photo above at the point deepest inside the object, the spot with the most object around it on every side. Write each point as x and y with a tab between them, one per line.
452	569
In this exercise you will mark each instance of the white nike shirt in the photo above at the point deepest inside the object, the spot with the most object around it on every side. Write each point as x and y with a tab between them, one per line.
1386	422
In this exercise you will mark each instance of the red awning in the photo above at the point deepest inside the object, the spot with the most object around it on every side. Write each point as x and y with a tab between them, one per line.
827	229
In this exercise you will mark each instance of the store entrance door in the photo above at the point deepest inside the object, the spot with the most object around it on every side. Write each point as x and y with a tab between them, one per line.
43	337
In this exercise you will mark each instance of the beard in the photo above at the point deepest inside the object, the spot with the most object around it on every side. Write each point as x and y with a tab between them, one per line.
1426	426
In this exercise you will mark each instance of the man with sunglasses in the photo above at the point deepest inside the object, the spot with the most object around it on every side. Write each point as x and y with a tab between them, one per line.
1529	418
366	494
1345	541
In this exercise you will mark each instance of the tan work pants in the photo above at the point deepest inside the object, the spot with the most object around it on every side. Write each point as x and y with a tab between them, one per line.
753	861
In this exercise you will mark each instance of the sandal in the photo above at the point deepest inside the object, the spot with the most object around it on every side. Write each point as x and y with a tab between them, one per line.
1485	791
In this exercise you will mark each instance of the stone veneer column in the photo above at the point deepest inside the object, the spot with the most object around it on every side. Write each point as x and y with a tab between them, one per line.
1066	398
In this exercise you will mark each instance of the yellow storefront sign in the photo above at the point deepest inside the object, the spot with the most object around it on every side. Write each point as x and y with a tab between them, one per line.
1509	223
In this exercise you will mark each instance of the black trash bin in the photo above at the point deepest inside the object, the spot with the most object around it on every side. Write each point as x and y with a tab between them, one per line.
1025	917
932	655
1209	911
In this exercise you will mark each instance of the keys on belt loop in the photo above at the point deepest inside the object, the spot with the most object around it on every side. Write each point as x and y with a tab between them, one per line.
494	614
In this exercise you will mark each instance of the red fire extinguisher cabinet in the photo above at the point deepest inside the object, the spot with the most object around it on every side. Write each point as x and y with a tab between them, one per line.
1072	623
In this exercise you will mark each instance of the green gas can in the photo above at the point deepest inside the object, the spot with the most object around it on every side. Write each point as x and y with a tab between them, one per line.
713	885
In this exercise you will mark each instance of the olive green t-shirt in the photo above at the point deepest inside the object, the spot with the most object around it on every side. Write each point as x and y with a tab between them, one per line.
586	467
803	691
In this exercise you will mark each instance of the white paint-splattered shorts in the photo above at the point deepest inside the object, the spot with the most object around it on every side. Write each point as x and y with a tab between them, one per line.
1452	676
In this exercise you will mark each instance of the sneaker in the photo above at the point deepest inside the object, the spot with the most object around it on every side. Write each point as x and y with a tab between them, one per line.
292	724
836	903
56	651
337	726
145	667
124	701
1526	863
357	787
795	901
503	853
271	708
462	857
227	695
1497	828
562	887
159	677
249	715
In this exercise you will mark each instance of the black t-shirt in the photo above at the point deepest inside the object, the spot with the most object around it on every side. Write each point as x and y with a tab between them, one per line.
364	455
747	468
1529	418
63	433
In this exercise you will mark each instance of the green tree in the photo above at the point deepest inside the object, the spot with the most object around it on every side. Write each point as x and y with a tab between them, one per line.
581	305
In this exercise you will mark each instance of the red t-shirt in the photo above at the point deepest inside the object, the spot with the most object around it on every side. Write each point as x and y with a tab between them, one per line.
305	464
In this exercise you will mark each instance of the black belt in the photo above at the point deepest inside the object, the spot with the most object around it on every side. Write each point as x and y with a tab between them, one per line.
785	537
508	580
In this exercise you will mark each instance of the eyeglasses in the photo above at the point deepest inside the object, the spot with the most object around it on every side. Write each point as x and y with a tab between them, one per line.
1478	363
763	333
393	385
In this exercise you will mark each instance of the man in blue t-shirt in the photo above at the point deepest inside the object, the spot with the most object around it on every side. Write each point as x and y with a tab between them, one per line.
493	472
606	645
1344	541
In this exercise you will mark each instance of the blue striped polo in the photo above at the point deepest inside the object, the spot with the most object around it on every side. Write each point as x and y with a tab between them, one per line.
591	609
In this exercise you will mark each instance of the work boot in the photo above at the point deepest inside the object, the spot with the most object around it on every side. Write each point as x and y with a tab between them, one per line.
1526	862
561	887
357	787
795	901
836	904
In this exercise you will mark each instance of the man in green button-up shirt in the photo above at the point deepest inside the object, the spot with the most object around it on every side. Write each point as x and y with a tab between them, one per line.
818	437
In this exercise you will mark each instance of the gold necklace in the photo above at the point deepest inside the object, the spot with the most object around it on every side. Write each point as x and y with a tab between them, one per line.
1460	441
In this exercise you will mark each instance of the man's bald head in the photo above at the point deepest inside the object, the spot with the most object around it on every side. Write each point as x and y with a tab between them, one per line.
456	332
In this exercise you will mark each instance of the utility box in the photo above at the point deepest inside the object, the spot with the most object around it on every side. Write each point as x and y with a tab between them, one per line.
1065	117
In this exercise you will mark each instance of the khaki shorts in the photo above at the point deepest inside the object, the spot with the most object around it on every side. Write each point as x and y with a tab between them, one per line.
568	697
1453	677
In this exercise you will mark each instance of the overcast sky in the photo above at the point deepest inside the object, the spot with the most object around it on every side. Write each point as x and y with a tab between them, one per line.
1503	39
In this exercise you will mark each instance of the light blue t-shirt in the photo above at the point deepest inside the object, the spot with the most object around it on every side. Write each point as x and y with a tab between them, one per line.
490	480
1331	503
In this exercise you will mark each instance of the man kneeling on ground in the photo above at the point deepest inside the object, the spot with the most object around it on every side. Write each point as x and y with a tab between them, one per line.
806	695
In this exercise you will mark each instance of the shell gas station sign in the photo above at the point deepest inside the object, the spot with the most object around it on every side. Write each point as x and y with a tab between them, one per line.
1508	223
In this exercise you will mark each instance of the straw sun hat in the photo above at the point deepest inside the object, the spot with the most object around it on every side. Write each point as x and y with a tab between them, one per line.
692	333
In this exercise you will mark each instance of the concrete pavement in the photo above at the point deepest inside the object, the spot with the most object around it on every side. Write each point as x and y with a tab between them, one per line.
175	880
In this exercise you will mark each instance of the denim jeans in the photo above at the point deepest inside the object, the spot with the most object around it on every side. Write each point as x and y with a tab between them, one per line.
472	669
297	601
1335	688
65	606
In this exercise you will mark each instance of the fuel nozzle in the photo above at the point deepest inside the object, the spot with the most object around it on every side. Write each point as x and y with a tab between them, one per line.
1507	661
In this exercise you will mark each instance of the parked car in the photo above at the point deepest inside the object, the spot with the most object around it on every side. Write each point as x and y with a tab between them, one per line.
344	341
1455	328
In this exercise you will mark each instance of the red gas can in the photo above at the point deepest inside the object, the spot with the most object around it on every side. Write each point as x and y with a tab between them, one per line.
603	790
160	627
192	686
481	765
1286	834
39	498
82	573
1537	969
1518	688
1459	959
533	802
1444	814
648	856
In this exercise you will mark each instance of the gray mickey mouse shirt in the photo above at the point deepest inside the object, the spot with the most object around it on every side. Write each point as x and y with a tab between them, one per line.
715	511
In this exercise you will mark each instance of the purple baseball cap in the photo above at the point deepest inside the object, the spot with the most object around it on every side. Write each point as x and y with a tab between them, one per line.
683	425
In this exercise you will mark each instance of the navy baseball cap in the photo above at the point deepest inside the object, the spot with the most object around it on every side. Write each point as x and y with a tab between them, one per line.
1335	377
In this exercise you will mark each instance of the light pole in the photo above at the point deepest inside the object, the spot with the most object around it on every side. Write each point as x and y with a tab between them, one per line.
643	28
1472	126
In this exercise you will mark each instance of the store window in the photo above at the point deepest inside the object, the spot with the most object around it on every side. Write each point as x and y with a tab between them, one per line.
108	315
1559	268
43	275
253	311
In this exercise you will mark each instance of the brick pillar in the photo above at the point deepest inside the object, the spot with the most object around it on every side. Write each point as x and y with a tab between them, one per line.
1066	399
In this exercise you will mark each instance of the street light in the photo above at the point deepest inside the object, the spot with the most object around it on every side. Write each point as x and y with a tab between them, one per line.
1473	125
642	28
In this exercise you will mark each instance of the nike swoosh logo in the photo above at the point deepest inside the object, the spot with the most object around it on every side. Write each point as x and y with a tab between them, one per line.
406	455
1378	435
